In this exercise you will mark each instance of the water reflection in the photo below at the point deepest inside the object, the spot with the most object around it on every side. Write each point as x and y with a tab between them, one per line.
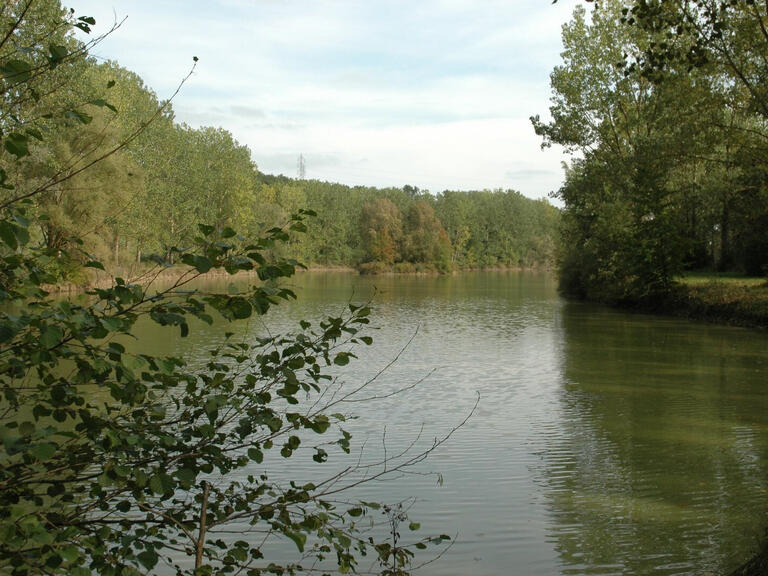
659	465
604	443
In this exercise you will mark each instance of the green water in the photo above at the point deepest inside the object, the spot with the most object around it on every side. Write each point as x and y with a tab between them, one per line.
603	443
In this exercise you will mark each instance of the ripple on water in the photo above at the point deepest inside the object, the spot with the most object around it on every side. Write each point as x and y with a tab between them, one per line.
603	443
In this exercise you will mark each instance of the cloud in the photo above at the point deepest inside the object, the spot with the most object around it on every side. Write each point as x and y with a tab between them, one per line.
435	93
528	172
247	112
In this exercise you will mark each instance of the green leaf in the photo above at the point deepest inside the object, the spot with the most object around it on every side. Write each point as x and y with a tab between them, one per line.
26	428
202	264
256	455
186	476
16	144
103	104
212	405
69	553
51	336
156	484
8	234
78	116
342	358
43	450
240	308
111	323
35	133
320	455
57	53
148	558
206	229
141	478
298	538
16	70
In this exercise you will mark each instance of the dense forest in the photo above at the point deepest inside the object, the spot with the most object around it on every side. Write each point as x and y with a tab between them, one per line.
663	106
166	178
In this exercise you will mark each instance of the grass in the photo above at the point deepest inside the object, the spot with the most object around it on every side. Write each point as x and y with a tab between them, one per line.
731	278
722	298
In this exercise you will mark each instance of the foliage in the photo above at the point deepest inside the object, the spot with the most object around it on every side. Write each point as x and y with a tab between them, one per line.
118	461
382	230
671	171
166	178
379	229
113	458
425	239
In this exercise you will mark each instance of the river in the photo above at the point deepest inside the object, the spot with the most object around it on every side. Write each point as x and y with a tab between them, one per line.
603	442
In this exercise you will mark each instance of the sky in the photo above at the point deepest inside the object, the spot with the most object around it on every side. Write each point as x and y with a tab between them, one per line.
432	93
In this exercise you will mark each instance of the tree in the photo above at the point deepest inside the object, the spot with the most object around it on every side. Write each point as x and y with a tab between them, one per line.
40	63
425	239
111	458
698	33
730	41
82	209
382	231
657	172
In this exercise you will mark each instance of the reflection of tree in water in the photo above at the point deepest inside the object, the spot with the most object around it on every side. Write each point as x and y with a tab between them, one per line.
660	460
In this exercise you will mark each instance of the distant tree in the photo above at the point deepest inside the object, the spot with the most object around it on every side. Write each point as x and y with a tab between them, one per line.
382	231
425	239
411	191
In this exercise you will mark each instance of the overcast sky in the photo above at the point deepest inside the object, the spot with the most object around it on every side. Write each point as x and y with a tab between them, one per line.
432	93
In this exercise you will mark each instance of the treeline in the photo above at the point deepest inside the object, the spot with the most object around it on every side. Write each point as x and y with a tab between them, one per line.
409	230
161	179
664	105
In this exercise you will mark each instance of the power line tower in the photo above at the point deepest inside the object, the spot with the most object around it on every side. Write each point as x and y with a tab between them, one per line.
301	169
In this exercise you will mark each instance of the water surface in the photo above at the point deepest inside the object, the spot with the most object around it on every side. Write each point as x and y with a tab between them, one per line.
603	443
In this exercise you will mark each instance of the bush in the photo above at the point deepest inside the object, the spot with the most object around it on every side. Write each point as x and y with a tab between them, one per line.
111	458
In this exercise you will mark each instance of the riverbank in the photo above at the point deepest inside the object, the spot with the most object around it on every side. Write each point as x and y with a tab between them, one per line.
756	566
733	303
737	302
138	274
164	275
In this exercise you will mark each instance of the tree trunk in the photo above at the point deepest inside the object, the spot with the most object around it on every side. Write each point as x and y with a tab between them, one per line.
200	544
725	247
